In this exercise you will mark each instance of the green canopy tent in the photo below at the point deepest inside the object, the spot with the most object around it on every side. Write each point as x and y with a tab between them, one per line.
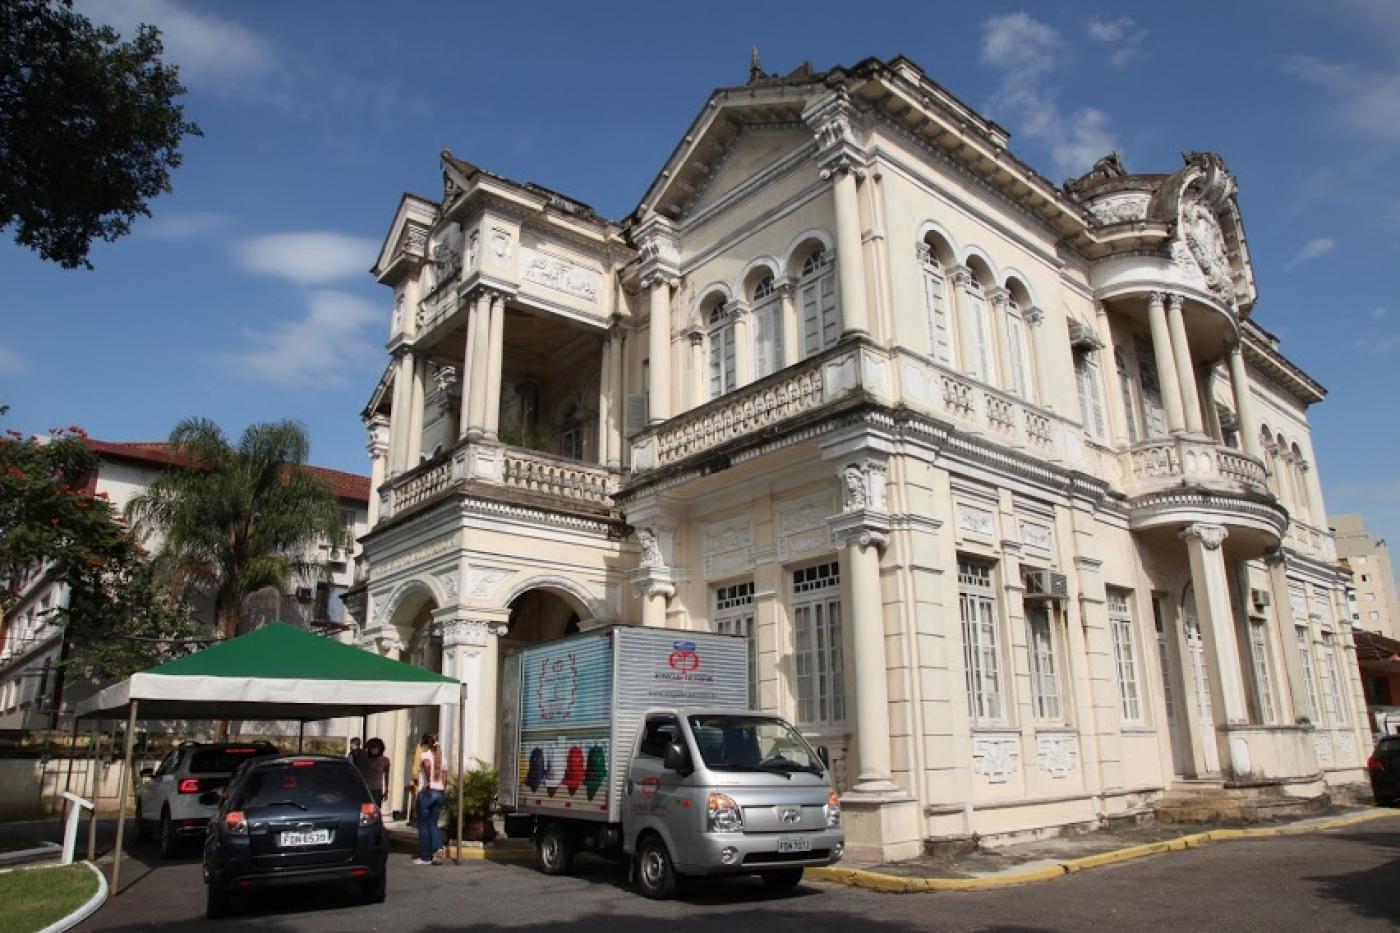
274	672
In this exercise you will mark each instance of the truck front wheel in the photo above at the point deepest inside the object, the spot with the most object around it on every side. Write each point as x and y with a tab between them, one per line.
655	874
556	847
783	879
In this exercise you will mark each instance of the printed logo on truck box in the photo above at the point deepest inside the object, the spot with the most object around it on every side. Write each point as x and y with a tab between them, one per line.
684	658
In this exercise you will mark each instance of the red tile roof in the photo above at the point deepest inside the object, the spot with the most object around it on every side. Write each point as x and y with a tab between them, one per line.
350	486
1373	646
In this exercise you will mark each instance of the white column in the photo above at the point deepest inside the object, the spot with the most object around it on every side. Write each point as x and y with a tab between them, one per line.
1166	363
399	417
1244	403
867	619
471	378
485	696
1117	405
495	352
850	260
1185	368
1041	372
378	448
792	335
743	348
604	400
1001	350
654	601
1211	583
479	364
415	410
659	350
699	375
615	402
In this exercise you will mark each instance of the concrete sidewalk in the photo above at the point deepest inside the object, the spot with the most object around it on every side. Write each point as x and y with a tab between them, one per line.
1062	855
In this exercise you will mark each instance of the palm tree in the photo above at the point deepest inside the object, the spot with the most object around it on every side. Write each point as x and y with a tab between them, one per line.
234	519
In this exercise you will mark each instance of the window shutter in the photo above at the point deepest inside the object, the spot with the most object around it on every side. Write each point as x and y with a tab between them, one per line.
811	319
762	344
1090	401
1016	337
1154	415
831	327
977	329
716	377
634	415
939	331
1129	406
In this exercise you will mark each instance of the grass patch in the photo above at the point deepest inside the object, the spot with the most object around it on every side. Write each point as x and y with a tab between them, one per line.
18	843
36	897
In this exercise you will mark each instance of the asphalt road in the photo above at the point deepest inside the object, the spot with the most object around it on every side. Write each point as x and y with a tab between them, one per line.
1342	879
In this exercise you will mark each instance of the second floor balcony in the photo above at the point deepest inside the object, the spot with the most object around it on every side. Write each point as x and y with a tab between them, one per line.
1164	463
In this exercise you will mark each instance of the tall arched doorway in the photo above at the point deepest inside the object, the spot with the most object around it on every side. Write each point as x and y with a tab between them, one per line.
1198	673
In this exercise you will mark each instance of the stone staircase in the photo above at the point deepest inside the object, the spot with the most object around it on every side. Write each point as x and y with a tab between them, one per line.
1204	801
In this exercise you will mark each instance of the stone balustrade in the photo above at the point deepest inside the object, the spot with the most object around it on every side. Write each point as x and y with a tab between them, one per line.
973	406
541	473
415	486
1308	539
1170	461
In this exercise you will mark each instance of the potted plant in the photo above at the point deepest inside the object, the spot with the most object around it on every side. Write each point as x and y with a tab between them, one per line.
477	791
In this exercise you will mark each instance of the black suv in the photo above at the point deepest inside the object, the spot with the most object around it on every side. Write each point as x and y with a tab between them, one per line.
1384	768
294	820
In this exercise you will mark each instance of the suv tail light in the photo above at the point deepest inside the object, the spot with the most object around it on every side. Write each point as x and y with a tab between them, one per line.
369	814
236	823
1375	764
190	786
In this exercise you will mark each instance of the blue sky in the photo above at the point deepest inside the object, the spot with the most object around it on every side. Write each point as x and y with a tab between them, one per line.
246	296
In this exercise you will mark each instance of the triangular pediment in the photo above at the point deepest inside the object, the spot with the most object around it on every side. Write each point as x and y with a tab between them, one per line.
754	149
408	234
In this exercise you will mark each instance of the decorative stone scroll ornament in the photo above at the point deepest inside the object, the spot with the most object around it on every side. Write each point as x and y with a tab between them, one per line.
853	489
1200	221
398	312
500	244
1056	754
1210	536
474	251
448	581
445	377
1033	316
995	757
378	443
651	549
832	120
415	239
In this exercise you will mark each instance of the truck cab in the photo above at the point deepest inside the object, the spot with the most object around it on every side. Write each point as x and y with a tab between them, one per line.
718	791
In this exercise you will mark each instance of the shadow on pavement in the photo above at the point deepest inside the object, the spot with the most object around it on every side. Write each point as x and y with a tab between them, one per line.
1374	892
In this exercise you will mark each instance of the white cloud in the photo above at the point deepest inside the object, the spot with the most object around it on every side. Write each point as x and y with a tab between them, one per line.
10	363
1123	34
1367	103
314	257
314	349
1381	347
1315	248
1027	52
211	50
1379	312
183	226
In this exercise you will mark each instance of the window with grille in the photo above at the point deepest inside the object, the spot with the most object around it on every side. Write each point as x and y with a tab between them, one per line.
1305	661
977	608
734	616
936	307
1120	621
1263	683
818	661
723	366
1331	679
1045	683
817	296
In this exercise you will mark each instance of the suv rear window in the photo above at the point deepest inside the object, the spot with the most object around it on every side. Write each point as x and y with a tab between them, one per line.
1390	743
224	760
319	785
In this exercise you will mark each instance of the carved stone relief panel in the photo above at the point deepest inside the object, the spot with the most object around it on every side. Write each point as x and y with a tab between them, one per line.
727	547
975	520
996	758
802	526
483	581
560	274
1322	744
1038	536
1056	754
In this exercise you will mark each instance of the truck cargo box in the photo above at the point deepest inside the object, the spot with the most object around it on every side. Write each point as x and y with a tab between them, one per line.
571	709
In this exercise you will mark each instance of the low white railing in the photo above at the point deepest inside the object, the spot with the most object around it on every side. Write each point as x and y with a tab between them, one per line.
970	404
415	487
1170	461
1310	540
541	473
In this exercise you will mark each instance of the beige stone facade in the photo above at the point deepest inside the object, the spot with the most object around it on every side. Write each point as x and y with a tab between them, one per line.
1003	480
1376	606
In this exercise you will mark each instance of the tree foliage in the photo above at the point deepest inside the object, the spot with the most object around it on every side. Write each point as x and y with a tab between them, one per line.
118	617
90	128
235	518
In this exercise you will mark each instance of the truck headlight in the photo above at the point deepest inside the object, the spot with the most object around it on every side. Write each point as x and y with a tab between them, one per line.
833	811
723	815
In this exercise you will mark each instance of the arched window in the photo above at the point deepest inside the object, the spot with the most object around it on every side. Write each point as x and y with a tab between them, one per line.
767	326
1130	400
976	325
720	336
1018	351
1300	480
936	304
817	302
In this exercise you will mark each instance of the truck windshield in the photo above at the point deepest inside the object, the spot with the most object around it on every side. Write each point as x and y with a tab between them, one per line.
752	743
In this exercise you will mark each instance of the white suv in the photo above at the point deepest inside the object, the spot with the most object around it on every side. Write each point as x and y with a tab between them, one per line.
183	790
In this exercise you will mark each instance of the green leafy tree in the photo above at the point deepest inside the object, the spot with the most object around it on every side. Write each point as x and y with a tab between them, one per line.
235	518
90	128
117	618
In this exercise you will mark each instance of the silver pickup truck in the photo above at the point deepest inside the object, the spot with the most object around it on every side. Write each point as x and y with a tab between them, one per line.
639	743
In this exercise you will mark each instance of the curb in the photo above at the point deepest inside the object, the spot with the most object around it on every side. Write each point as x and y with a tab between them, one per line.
898	884
23	855
479	853
87	909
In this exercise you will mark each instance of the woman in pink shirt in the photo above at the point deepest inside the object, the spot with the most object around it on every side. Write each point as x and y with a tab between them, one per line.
429	780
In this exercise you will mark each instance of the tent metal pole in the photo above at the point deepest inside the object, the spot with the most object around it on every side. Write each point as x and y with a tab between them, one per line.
461	761
122	785
94	787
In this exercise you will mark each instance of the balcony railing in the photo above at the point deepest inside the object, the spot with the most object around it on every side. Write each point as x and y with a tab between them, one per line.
438	305
1165	462
571	482
1310	540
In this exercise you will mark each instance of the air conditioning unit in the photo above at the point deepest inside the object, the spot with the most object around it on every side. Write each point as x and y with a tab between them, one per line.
1046	585
304	593
1260	598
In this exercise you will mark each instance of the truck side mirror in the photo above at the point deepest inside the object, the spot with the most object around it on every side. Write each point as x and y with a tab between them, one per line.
676	759
824	754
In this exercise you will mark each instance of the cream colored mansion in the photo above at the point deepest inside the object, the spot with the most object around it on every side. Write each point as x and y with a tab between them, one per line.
1002	480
